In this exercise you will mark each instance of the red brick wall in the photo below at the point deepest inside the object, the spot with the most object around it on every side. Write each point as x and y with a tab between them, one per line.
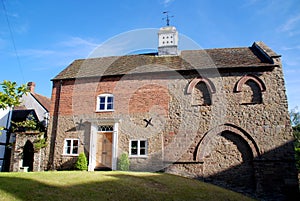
80	96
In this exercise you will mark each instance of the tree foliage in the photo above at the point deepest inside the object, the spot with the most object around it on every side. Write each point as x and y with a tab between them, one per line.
11	94
295	120
295	117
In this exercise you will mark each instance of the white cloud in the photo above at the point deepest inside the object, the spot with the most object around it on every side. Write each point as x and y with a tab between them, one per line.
290	24
77	41
167	2
285	48
35	52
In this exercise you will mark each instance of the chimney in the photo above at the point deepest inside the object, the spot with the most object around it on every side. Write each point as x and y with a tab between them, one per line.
31	86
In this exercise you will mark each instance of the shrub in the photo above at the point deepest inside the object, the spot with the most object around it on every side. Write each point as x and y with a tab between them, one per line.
123	162
81	163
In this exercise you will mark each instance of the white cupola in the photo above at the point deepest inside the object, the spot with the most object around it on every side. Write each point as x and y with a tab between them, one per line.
167	41
167	38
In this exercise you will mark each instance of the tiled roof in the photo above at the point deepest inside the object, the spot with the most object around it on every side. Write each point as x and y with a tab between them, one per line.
43	100
257	55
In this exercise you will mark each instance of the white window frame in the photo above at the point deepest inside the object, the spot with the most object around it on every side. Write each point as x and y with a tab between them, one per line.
71	148
138	148
106	96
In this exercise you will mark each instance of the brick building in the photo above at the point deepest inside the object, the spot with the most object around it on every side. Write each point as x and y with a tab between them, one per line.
219	115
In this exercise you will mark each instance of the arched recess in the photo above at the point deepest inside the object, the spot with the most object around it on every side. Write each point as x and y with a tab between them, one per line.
251	87
201	89
28	155
203	148
245	78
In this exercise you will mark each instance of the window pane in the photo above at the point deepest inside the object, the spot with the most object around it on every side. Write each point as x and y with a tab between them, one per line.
134	147
142	144
102	99
75	143
143	147
110	106
102	106
134	144
67	147
75	150
134	152
68	150
110	99
142	151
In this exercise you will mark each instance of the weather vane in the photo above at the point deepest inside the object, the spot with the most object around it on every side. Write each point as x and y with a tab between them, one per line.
167	18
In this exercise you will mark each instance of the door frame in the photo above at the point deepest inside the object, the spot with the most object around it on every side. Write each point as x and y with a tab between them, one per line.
93	142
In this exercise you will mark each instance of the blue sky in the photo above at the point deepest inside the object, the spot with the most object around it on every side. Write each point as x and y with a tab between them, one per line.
38	39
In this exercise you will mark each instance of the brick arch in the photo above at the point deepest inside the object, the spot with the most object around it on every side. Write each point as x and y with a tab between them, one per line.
209	84
203	147
245	78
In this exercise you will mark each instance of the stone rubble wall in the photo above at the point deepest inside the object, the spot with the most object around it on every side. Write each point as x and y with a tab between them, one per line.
232	142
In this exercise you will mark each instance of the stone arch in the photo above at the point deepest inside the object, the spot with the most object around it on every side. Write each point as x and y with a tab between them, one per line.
209	84
245	78
203	148
227	153
28	155
201	89
251	87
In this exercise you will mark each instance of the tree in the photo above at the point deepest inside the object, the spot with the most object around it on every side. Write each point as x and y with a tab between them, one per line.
295	120
11	94
295	116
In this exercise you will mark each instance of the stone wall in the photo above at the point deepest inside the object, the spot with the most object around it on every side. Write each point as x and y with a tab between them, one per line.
23	140
232	129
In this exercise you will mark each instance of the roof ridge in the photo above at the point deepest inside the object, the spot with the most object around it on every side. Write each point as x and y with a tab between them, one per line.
38	97
188	59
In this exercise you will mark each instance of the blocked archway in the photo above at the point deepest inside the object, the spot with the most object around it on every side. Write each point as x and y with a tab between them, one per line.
227	153
251	88
28	155
201	89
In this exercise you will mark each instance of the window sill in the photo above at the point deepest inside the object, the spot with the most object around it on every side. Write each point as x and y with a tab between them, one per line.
137	156
104	111
69	155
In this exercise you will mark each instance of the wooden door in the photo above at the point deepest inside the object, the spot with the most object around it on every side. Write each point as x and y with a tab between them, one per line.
104	150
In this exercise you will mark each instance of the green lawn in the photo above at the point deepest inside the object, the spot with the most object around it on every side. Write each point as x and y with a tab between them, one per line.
111	185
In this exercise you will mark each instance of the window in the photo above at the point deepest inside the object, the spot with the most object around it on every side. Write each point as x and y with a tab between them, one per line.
138	147
71	146
106	128
105	102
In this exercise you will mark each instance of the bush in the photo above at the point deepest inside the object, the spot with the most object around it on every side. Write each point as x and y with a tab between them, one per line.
81	163
123	162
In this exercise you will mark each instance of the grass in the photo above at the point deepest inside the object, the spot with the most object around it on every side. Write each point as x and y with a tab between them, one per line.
112	185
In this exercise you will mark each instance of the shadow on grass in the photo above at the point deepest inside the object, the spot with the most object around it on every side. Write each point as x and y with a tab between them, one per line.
109	186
